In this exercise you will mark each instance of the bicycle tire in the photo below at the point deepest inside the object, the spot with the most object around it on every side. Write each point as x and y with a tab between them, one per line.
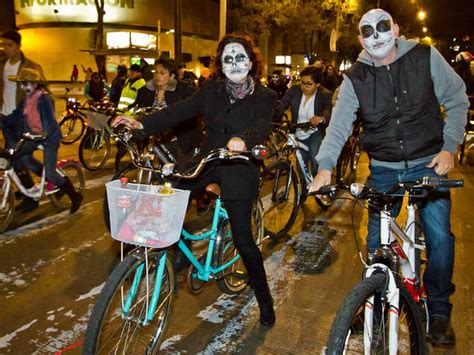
355	157
94	150
106	335
72	128
131	172
280	194
346	335
461	148
78	179
237	279
7	212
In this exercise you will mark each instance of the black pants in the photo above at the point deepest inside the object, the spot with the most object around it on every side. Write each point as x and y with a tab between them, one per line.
240	217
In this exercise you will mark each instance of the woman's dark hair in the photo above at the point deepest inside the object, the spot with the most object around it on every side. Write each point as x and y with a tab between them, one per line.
253	53
315	73
168	64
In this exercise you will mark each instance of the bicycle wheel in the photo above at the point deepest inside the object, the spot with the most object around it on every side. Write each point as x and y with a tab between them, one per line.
355	156
236	278
94	150
133	175
110	330
347	331
72	128
75	173
7	210
279	193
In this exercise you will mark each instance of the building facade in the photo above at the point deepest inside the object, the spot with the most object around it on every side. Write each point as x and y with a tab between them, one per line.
61	33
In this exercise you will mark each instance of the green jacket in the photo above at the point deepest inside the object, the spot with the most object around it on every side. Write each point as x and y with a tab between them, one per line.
24	63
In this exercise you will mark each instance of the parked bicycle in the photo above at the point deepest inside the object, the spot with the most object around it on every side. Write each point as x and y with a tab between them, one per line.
286	178
8	178
133	310
385	313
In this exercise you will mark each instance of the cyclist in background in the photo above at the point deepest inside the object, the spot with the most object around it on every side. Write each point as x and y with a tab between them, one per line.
278	84
406	138
96	89
309	102
35	114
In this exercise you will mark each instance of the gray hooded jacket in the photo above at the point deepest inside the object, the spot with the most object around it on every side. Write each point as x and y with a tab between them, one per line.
450	92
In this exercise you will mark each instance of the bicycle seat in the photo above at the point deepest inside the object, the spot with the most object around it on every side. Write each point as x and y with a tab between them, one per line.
213	189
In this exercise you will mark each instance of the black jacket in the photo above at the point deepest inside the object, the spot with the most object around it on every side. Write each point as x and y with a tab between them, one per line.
292	98
189	133
249	119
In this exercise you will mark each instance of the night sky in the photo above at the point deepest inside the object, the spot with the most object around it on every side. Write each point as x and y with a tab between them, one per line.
450	17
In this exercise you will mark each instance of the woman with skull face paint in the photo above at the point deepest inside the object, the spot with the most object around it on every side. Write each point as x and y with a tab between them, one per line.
398	85
238	112
36	115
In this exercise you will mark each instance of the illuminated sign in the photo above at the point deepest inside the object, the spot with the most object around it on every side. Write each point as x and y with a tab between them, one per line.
122	3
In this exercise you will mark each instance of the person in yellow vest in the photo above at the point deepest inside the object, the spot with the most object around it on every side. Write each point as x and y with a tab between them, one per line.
131	88
134	86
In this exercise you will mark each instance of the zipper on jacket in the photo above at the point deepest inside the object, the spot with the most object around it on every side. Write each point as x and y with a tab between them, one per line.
397	108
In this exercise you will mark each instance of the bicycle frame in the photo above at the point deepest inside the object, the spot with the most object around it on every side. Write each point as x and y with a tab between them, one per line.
204	272
405	257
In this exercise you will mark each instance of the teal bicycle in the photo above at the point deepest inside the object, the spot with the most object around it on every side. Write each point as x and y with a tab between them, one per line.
133	310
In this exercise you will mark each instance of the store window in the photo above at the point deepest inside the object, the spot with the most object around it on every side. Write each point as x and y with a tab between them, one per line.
131	40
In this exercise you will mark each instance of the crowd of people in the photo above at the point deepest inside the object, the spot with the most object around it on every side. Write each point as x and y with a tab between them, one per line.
404	132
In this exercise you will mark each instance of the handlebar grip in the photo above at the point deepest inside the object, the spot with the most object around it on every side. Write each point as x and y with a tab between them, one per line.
446	183
326	190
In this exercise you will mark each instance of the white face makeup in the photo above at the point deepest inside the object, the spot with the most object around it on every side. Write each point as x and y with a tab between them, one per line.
235	62
27	87
377	32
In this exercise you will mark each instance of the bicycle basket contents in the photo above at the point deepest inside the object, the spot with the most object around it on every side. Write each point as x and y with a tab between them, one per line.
146	215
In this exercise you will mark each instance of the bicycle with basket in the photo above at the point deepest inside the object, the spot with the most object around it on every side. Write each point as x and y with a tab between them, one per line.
132	311
94	148
386	312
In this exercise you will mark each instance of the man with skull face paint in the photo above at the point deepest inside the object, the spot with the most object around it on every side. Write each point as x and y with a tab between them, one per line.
238	113
397	85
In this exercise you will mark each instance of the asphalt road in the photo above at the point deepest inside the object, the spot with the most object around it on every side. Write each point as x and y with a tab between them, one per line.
53	265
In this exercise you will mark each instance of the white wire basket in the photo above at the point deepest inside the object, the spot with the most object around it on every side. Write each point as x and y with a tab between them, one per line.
141	215
96	120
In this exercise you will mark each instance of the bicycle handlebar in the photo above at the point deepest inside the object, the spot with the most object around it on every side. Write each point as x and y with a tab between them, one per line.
364	192
125	135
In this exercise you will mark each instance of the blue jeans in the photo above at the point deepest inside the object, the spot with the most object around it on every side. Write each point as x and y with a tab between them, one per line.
435	213
313	142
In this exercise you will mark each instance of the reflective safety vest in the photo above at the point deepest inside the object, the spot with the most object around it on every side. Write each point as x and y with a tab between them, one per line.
130	92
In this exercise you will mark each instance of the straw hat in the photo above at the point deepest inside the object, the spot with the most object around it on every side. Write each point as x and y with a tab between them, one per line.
28	74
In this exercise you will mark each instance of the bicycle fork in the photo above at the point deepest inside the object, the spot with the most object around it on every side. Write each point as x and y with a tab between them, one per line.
151	305
392	297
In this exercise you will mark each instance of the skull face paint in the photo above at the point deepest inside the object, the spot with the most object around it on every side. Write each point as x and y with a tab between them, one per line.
235	62
377	31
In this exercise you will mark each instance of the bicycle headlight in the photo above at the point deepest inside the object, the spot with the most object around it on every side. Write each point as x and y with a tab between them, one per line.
356	189
168	169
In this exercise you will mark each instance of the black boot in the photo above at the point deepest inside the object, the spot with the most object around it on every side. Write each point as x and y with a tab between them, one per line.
265	302
76	197
180	261
27	205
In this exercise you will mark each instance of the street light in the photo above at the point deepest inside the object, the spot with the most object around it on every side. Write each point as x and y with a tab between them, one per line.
421	15
424	29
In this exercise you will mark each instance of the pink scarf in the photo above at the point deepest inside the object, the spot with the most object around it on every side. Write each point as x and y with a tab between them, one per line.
31	112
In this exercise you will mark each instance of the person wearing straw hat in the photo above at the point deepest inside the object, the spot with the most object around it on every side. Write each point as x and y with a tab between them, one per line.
35	115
